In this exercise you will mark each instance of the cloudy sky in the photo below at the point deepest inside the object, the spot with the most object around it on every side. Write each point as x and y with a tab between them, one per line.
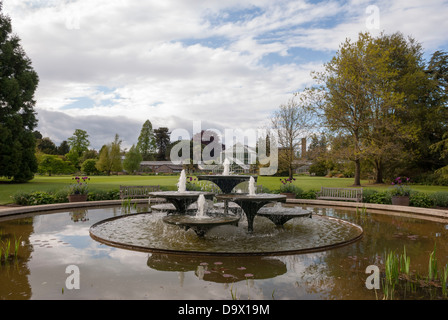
106	66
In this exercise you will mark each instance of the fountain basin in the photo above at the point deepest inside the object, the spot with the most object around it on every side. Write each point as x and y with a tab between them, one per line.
226	183
147	232
200	225
171	209
181	200
279	215
251	204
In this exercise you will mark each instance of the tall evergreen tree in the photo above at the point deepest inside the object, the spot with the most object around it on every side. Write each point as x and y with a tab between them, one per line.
146	144
18	82
79	144
162	142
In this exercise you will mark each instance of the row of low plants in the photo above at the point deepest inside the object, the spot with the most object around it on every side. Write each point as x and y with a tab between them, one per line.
79	186
416	198
60	196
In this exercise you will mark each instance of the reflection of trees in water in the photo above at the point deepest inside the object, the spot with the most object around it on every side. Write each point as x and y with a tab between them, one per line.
79	215
14	274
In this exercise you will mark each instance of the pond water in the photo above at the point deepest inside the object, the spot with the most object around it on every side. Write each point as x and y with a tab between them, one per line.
52	242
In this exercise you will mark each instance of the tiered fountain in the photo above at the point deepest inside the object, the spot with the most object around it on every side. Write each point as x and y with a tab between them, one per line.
230	235
250	203
181	199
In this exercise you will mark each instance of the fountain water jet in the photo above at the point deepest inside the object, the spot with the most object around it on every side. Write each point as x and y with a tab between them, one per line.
201	222
251	186
182	183
181	199
201	207
226	164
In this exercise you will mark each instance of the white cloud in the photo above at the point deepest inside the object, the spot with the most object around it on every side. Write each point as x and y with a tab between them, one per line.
175	61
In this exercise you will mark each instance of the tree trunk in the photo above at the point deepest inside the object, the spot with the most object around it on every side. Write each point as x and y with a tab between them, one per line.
357	160
379	171
291	160
357	182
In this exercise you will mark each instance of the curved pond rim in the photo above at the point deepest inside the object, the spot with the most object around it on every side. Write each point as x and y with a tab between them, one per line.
230	253
416	212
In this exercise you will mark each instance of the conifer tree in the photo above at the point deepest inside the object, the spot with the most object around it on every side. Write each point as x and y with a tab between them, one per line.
18	82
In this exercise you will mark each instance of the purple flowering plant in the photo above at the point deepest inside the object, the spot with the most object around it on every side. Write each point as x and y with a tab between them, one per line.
401	187
191	184
287	186
79	186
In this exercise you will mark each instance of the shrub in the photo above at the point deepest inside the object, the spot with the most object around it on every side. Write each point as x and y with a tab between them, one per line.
381	197
420	199
265	190
21	198
60	196
40	197
89	167
367	195
288	187
309	194
440	199
100	195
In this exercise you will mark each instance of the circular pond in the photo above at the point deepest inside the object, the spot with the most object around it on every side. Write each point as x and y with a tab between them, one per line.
149	232
50	244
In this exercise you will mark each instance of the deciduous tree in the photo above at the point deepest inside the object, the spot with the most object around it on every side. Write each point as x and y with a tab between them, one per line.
363	97
132	159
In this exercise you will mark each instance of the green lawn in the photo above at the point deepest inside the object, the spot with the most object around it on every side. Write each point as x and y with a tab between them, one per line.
45	183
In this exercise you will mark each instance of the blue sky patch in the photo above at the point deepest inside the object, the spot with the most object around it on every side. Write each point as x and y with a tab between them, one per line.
80	103
296	55
234	16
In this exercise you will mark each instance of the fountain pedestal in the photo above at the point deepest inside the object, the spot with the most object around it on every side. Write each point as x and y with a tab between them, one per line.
251	204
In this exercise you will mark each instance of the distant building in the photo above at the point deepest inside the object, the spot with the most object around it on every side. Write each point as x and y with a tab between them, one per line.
160	167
